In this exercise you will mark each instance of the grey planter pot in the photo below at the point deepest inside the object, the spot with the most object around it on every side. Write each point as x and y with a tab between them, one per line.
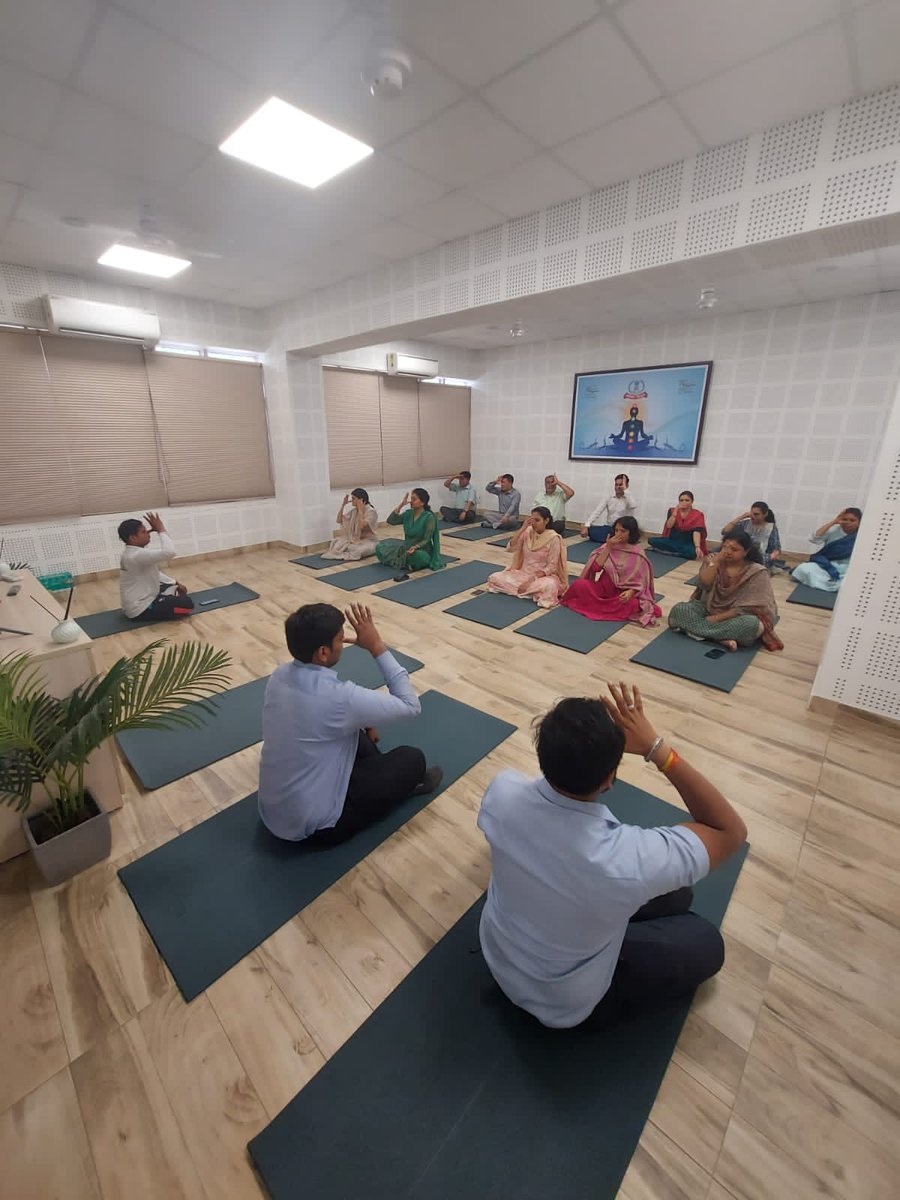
71	852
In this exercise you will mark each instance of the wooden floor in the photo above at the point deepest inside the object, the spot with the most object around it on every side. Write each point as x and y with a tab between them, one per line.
785	1081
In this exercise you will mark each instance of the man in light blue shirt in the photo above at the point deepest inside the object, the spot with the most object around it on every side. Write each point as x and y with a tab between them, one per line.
508	501
463	513
321	774
587	918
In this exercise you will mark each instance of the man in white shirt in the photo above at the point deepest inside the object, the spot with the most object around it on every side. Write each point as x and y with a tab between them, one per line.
145	591
602	520
463	512
321	774
554	497
588	918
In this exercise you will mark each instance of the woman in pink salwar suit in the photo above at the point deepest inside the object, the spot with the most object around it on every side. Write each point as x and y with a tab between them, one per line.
539	565
617	581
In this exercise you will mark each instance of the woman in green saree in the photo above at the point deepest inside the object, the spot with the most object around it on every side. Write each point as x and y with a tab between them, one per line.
420	547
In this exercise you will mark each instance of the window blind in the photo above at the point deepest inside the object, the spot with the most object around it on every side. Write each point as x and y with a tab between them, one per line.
211	420
36	480
444	429
103	403
398	400
353	426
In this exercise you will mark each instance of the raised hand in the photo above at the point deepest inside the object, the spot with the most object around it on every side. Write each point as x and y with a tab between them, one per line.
363	624
154	520
627	710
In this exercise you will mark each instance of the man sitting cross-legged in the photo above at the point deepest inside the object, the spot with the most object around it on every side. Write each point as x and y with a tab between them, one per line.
588	919
144	590
463	512
321	774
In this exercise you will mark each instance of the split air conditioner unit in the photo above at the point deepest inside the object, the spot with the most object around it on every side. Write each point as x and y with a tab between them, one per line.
89	318
406	364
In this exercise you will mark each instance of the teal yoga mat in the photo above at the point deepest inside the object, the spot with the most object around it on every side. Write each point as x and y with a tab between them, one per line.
469	533
662	564
376	572
494	610
570	533
214	893
680	655
562	627
158	756
449	1091
104	624
812	597
316	562
438	585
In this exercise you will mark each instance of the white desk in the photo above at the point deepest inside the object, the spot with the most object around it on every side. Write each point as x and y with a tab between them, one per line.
64	668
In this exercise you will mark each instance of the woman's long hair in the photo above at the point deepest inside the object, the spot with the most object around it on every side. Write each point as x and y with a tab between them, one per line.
424	497
744	539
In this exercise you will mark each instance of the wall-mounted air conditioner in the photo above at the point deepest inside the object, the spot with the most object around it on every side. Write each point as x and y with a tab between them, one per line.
89	318
407	364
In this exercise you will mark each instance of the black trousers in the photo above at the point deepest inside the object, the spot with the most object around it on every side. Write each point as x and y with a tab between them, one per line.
667	953
559	526
458	516
168	606
378	783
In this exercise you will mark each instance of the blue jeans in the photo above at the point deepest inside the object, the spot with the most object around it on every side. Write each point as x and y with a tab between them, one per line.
599	533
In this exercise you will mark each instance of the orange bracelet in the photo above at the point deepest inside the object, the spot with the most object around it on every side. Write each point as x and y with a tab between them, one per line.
670	762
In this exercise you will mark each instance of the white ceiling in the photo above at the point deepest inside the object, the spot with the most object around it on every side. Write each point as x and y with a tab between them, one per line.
512	105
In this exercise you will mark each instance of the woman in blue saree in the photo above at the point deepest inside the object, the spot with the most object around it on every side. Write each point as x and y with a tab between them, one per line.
827	568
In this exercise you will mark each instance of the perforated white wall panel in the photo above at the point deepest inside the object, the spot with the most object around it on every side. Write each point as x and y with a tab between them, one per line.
860	665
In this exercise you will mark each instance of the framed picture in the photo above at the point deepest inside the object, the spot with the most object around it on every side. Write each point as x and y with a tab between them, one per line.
648	414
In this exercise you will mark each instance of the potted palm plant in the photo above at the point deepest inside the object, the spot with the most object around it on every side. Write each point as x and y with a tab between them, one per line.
45	742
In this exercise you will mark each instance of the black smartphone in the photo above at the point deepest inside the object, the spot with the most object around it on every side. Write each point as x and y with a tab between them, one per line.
717	653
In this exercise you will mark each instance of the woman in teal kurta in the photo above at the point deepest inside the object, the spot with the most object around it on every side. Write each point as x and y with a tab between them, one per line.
420	547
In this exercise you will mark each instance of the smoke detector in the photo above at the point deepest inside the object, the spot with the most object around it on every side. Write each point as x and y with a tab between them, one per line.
386	71
708	298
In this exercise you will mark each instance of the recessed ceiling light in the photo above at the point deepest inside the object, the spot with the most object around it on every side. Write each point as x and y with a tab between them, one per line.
143	262
289	142
708	298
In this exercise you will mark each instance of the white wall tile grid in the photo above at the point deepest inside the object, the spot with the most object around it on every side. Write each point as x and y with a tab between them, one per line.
835	166
860	664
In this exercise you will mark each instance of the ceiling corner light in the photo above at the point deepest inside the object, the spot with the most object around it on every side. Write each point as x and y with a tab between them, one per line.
708	298
289	142
517	330
142	262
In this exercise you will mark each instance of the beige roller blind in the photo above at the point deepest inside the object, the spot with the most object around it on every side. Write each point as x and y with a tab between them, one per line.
399	429
354	429
35	477
104	405
444	429
211	418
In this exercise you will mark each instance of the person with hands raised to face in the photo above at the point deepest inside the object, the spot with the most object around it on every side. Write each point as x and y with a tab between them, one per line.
508	501
684	531
420	547
463	512
554	497
144	590
357	521
588	919
538	568
826	568
617	581
321	775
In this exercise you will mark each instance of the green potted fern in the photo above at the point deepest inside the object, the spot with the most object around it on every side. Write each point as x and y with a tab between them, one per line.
45	742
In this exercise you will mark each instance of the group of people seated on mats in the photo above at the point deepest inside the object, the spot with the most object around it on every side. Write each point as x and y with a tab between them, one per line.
509	500
587	918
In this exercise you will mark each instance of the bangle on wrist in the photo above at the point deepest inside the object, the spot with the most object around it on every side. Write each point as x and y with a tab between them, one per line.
653	749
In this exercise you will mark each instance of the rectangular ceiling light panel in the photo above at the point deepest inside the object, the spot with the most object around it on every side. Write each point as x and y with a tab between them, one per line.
291	143
143	262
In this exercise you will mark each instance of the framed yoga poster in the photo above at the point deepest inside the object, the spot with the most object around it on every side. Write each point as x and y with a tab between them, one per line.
648	414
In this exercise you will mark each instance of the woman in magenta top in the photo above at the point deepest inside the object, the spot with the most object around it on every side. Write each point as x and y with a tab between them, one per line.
617	581
684	532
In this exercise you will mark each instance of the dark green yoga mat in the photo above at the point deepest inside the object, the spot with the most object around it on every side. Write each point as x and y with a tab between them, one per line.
316	562
493	609
448	1091
470	533
570	533
812	597
680	655
438	585
103	624
562	627
158	756
376	572
214	893
662	564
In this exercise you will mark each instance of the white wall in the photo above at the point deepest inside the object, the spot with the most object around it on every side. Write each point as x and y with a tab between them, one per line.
86	544
797	407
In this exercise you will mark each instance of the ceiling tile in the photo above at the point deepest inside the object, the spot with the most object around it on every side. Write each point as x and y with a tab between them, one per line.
391	240
27	103
694	39
464	144
475	41
810	74
648	138
588	79
133	67
451	217
877	33
533	184
45	34
17	159
95	133
232	32
383	184
331	87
